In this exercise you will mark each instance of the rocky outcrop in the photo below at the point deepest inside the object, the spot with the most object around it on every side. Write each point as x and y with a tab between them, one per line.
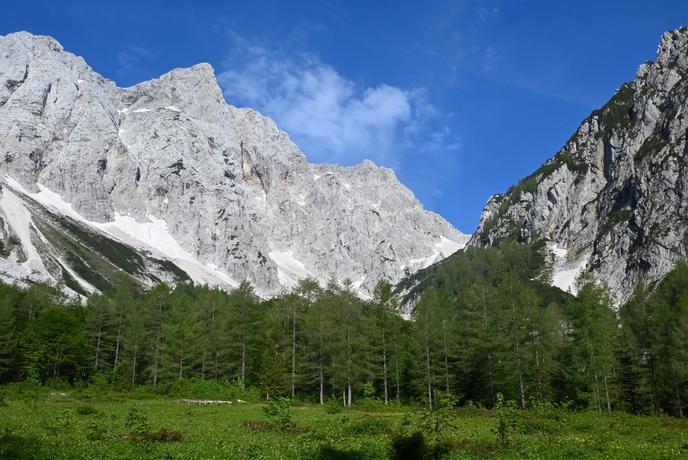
613	199
169	167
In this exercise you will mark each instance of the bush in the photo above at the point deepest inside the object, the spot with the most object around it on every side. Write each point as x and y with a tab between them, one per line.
278	412
368	425
507	419
165	435
13	445
137	424
409	447
210	389
333	406
85	410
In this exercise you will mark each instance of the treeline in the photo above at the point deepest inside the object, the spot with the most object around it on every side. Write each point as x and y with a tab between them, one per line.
485	324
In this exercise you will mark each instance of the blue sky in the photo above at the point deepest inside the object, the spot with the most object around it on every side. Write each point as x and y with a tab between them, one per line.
460	98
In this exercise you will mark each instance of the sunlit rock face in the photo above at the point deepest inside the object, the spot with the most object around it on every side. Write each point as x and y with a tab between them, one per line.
169	168
614	200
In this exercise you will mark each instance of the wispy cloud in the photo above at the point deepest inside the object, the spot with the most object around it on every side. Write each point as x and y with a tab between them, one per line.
331	117
133	60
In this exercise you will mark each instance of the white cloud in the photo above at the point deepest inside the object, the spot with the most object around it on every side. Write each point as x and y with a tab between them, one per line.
331	117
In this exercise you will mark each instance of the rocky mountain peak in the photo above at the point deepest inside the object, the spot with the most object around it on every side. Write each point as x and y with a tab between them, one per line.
673	49
193	88
167	168
30	40
613	200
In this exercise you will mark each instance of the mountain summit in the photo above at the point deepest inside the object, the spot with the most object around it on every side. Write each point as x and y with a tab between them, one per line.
614	199
166	181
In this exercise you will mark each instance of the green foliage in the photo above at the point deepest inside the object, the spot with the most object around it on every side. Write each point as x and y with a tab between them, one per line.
85	410
182	431
652	146
137	424
620	216
618	112
333	406
278	413
485	322
507	419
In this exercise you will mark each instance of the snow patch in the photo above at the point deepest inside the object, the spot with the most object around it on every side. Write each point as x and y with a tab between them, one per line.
85	284
20	220
565	272
447	247
152	235
155	235
356	287
558	251
289	269
423	262
173	108
142	110
442	249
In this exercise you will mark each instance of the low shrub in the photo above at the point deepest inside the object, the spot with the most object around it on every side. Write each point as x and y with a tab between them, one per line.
333	406
165	435
85	410
278	413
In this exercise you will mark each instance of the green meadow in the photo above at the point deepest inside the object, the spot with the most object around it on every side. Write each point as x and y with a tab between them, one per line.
46	424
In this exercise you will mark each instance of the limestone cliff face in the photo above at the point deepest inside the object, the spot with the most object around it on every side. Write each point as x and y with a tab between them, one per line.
168	167
614	199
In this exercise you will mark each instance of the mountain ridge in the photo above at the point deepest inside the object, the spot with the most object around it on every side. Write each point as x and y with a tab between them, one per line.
612	200
224	183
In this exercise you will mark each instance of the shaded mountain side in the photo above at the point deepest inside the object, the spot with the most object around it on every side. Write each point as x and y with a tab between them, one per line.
488	266
40	245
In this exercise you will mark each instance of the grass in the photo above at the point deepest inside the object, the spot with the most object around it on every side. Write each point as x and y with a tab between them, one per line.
70	425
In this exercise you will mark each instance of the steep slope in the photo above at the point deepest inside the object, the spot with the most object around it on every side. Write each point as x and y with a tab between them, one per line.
38	244
613	200
167	166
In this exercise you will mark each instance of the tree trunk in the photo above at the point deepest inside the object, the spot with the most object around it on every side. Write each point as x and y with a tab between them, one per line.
606	393
520	377
243	362
516	338
348	359
427	370
396	365
217	358
293	353
133	367
118	342
322	384
596	393
203	364
653	377
100	326
446	358
489	351
678	401
384	365
539	375
158	339
321	373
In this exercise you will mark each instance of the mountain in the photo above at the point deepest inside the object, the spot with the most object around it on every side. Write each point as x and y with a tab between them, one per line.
166	181
614	199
